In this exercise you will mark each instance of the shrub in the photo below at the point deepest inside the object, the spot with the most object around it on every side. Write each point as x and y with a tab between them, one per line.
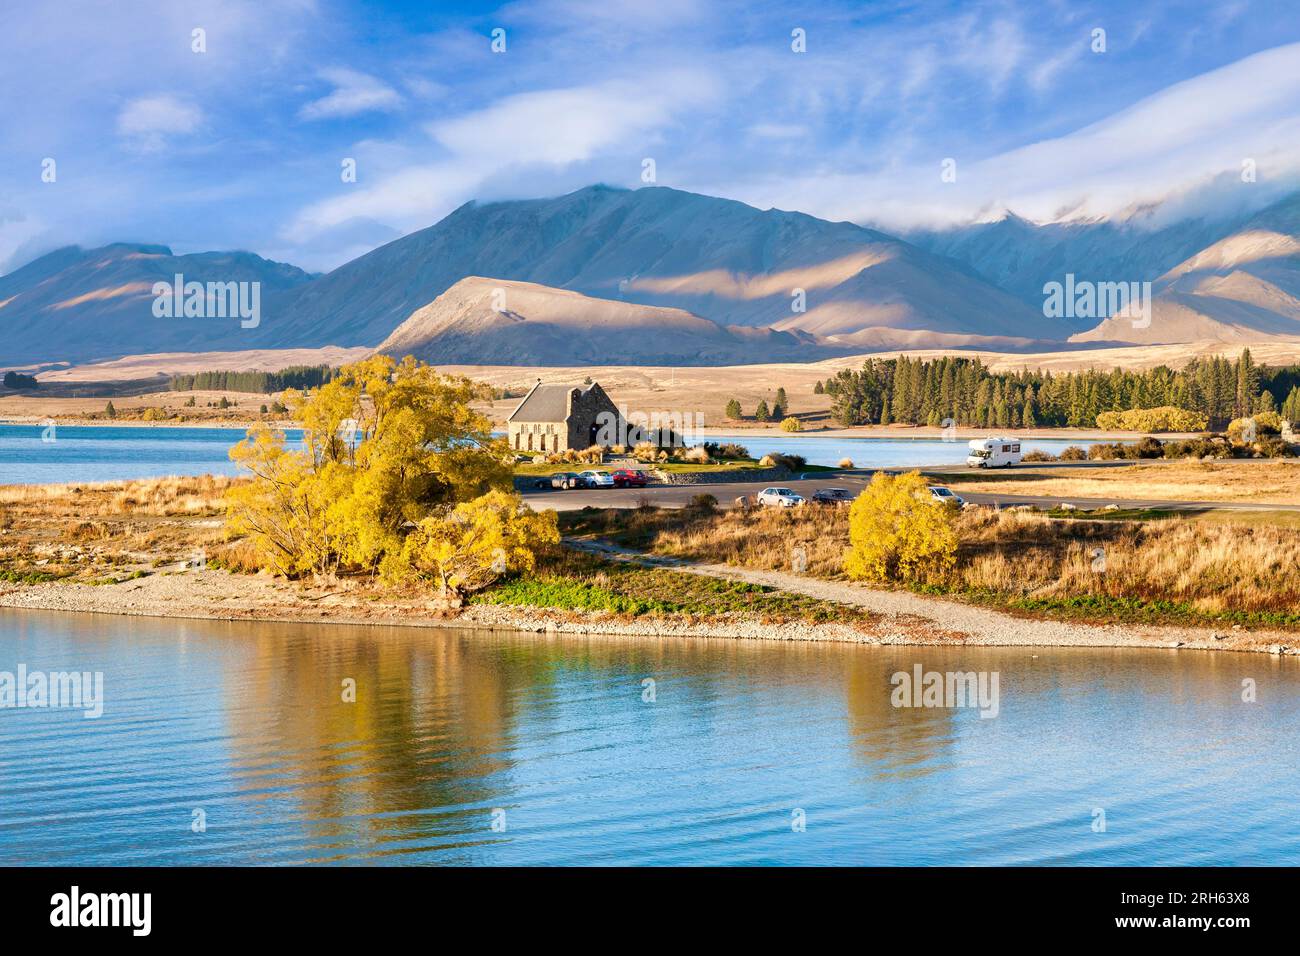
1037	455
727	450
1148	447
698	454
1264	423
897	531
846	462
703	503
779	460
468	548
791	425
1106	451
1074	453
1165	418
1207	446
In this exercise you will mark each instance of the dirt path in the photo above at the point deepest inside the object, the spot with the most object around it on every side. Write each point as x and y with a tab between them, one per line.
973	625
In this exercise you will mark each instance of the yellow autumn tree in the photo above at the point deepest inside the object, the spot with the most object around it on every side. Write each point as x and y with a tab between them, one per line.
467	548
386	445
898	531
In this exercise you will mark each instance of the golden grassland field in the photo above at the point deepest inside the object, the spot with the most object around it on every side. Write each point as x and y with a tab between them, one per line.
1271	481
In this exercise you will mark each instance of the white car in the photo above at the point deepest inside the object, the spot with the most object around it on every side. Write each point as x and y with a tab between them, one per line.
780	497
596	479
942	495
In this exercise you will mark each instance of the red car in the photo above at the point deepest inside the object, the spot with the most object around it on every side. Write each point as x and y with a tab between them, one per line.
627	478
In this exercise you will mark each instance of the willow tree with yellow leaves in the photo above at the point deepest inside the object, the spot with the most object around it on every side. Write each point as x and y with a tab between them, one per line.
899	531
389	449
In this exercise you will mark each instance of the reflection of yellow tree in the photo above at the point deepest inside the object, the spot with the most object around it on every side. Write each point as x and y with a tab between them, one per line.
430	720
887	737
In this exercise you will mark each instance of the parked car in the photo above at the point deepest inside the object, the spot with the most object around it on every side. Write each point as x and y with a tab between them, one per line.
941	494
596	479
563	479
779	497
832	496
629	478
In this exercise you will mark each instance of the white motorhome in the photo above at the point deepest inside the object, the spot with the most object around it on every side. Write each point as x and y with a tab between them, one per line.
994	452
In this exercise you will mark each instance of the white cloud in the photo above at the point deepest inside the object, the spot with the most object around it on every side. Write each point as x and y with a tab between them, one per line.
550	129
1176	139
353	93
151	118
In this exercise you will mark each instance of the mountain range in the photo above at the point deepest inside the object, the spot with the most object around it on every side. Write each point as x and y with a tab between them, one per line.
662	276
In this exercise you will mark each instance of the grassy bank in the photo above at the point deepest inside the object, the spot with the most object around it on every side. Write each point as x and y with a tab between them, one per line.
574	581
1175	570
114	533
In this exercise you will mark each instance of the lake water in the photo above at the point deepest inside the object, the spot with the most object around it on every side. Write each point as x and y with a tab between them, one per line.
878	452
32	454
552	738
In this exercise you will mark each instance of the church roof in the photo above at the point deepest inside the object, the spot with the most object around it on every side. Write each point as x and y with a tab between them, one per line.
546	403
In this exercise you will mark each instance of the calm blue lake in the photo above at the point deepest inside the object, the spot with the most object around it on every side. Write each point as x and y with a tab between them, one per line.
878	452
32	454
553	740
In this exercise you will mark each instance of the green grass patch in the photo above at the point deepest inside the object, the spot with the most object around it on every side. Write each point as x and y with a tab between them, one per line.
572	581
29	577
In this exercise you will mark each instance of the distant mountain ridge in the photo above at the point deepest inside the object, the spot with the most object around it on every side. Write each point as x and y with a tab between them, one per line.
1243	287
501	322
77	304
716	258
682	278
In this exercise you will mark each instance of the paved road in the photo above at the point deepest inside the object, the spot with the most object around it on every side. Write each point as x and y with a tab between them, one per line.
677	496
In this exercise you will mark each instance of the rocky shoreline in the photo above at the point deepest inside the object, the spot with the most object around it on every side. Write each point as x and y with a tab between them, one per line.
901	618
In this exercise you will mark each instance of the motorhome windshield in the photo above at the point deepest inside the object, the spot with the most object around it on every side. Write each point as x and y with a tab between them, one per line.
979	453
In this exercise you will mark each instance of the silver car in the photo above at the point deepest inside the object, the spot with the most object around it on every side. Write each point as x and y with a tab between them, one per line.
942	495
779	497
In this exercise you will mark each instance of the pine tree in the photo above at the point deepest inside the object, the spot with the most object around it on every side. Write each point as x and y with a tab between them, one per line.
733	410
110	411
1291	407
761	413
818	389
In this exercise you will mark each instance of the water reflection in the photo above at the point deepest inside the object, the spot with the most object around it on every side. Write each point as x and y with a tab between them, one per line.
249	723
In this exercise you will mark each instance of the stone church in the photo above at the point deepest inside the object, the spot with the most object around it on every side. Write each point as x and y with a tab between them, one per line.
555	418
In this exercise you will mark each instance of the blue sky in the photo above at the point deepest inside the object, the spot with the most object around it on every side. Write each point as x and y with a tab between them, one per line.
241	146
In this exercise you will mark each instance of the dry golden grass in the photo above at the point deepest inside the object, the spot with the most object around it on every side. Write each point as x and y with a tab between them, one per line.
1263	481
1214	567
172	495
88	531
